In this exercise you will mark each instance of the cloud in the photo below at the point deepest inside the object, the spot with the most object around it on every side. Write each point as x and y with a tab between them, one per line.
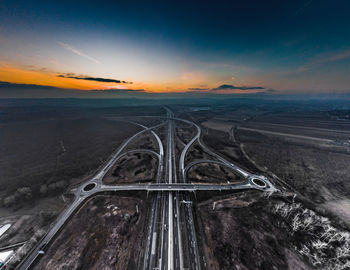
270	91
303	7
14	90
197	89
232	87
225	87
77	52
87	78
325	58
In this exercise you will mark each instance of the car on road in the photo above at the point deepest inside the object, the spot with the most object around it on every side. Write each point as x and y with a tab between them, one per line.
41	249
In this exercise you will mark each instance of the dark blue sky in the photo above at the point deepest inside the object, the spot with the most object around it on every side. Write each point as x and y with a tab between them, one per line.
286	45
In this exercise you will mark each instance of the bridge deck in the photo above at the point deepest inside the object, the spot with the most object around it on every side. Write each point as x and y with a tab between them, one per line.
178	187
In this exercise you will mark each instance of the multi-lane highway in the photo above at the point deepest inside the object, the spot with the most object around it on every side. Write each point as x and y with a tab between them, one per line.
81	194
167	235
171	238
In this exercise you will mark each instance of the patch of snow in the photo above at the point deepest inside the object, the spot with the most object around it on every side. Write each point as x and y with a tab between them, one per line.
4	228
5	255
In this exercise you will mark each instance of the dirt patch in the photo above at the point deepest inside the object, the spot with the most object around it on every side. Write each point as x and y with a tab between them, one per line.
320	174
341	208
109	238
240	238
145	140
185	133
196	153
135	167
241	232
218	125
224	144
213	173
27	220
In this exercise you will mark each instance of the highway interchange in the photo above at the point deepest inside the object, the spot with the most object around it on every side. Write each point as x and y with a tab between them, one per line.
171	239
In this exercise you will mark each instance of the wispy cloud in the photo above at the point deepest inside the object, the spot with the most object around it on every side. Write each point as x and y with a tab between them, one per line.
303	7
78	52
87	78
325	58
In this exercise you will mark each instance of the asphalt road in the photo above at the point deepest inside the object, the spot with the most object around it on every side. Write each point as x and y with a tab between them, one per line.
81	195
171	229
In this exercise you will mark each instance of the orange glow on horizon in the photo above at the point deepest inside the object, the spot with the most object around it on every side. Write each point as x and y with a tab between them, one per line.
13	74
19	75
9	73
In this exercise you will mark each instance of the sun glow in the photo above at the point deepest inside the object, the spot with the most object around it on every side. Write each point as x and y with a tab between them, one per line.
13	74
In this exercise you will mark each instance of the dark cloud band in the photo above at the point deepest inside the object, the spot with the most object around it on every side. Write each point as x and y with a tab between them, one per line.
232	87
96	79
197	89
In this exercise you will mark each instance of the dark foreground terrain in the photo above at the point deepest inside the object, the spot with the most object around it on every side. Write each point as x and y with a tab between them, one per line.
106	233
305	153
248	231
306	226
45	151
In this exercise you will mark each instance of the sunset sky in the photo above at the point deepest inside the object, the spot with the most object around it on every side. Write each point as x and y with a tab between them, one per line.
178	46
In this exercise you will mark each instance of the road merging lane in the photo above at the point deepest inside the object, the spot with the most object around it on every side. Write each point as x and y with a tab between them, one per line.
161	207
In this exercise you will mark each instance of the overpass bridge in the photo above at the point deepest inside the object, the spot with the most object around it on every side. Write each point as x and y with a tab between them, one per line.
260	184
